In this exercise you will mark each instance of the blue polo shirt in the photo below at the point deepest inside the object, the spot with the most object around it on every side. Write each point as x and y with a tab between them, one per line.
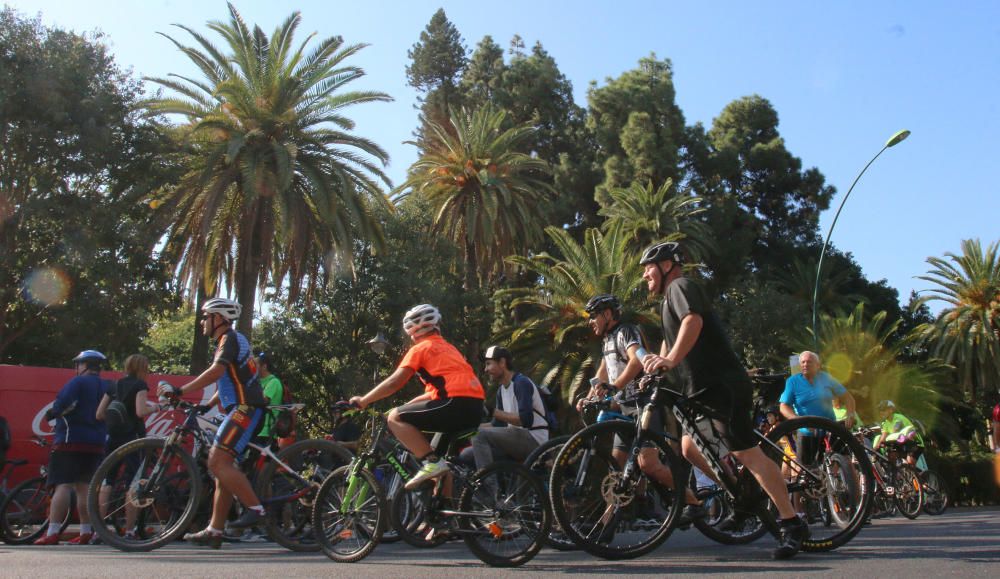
812	399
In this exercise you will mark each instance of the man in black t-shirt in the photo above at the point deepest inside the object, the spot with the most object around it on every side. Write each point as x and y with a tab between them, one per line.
696	346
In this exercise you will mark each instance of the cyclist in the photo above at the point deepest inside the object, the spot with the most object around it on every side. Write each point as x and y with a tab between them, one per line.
274	392
78	446
452	400
519	423
899	428
811	393
621	346
695	344
235	374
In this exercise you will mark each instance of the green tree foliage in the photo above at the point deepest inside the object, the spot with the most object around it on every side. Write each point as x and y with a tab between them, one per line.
75	247
637	126
966	334
437	61
763	324
168	342
550	337
276	180
483	187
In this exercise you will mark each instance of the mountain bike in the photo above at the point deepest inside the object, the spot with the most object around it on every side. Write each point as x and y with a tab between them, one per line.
935	490
592	504
157	485
500	514
24	509
897	484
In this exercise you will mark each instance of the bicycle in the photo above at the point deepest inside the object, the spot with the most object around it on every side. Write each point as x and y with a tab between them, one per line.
897	484
24	510
592	502
501	513
158	486
935	491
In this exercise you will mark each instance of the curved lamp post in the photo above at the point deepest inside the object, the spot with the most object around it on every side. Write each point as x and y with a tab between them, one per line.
894	140
378	344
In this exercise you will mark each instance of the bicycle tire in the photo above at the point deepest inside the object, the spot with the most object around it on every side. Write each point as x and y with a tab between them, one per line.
936	499
836	512
516	516
909	495
24	512
411	514
167	508
540	463
591	508
829	538
349	534
289	523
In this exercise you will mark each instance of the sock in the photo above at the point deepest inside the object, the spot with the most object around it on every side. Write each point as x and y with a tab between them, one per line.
54	528
259	509
213	530
86	528
789	522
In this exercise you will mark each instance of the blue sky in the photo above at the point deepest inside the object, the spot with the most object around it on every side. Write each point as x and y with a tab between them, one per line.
843	76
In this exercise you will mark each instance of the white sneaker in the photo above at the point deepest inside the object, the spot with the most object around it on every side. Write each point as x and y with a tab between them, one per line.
429	470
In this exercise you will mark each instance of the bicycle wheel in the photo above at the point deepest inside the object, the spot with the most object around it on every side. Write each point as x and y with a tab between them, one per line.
935	493
908	492
511	519
413	516
827	479
24	513
160	492
726	525
349	514
289	503
604	510
540	463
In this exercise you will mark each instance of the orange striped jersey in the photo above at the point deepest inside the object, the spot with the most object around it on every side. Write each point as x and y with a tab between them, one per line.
239	384
443	370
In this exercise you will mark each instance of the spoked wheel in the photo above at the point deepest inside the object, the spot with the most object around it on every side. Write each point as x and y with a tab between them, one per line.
349	515
909	494
724	524
605	511
505	516
843	479
24	512
288	501
413	514
159	491
540	463
935	493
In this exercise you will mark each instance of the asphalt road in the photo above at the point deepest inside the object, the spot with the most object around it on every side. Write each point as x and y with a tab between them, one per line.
961	543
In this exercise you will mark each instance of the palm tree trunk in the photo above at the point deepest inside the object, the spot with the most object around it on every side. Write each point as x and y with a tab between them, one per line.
199	343
248	269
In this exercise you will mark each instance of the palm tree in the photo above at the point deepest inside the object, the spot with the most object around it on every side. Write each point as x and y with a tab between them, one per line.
553	340
484	191
967	334
647	215
275	180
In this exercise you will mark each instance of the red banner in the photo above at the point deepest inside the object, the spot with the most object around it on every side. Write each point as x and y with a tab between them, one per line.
26	392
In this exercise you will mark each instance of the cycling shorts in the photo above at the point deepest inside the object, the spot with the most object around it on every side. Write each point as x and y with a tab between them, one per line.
239	426
443	415
655	423
732	409
808	447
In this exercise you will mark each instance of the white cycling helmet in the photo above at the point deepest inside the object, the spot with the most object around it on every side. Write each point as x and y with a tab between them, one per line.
226	308
420	320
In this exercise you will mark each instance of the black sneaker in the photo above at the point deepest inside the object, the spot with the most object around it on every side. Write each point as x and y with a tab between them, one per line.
790	536
249	518
692	513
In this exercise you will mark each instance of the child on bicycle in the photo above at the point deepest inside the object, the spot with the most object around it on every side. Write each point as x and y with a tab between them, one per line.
453	397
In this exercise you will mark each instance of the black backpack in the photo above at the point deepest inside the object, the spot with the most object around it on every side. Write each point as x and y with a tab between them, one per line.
117	416
285	420
551	402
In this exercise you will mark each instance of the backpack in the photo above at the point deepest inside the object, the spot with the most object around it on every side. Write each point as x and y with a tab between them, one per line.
550	401
117	416
285	421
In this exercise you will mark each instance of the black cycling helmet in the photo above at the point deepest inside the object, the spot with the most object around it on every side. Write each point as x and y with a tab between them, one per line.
602	302
664	251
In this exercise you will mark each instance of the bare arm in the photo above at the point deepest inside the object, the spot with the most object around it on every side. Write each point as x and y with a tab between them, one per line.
686	338
210	375
102	408
394	383
787	411
142	408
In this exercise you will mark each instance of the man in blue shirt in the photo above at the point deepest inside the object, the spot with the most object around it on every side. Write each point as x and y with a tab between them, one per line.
811	393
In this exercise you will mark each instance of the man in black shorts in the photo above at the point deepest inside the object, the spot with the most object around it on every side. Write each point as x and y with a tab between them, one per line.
695	344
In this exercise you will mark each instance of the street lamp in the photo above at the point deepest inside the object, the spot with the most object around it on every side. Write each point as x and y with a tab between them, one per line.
378	344
894	140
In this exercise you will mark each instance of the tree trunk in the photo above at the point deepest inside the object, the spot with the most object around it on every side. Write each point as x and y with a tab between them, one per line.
248	269
199	344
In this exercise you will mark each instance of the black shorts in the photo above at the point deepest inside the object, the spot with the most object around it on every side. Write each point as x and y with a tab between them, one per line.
732	409
807	447
655	423
444	415
73	466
